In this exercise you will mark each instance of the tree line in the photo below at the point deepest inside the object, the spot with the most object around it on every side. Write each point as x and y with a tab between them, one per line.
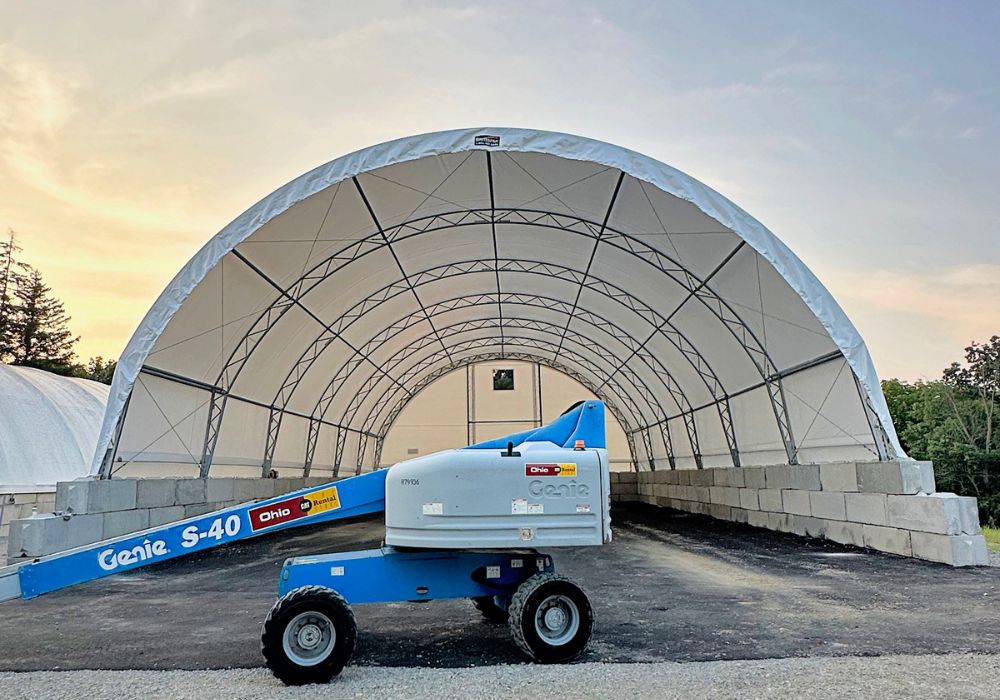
34	326
955	422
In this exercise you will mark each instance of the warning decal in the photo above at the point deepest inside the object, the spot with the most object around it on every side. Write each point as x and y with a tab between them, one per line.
290	509
550	469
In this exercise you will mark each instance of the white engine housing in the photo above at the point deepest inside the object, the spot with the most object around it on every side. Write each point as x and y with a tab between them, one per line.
545	496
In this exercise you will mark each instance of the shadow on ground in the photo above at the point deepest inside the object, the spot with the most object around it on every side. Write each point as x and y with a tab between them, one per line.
672	587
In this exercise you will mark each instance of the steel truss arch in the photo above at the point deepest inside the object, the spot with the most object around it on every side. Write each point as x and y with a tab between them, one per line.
440	371
662	327
696	287
480	299
574	357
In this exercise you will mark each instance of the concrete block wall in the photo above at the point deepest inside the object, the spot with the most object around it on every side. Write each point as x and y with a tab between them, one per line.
888	506
86	511
16	503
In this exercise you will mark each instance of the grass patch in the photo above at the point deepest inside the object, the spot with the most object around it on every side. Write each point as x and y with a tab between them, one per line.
992	535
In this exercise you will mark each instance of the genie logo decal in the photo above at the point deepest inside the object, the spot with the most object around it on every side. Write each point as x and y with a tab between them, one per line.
110	560
550	469
294	508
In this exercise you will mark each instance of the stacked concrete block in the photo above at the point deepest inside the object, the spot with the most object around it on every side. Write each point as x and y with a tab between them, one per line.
887	506
86	511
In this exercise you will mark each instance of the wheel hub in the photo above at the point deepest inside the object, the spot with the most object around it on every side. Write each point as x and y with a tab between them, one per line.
310	636
555	619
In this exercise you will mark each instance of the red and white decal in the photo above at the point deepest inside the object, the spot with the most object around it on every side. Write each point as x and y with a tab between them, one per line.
550	469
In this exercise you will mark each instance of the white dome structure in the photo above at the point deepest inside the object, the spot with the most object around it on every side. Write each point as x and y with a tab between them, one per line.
48	427
299	332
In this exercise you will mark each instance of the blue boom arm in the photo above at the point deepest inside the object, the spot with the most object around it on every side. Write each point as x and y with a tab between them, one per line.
347	498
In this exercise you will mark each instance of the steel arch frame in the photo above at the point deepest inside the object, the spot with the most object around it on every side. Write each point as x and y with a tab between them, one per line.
661	326
376	411
511	299
441	371
583	363
292	295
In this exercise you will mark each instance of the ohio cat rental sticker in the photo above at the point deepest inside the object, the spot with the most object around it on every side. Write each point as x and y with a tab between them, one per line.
535	470
294	508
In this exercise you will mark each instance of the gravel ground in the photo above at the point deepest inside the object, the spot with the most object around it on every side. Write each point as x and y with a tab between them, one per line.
951	676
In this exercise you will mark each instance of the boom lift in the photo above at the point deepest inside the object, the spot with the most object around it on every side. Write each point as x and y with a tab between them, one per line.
463	523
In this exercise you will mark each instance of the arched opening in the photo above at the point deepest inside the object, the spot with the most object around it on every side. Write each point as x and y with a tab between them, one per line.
486	400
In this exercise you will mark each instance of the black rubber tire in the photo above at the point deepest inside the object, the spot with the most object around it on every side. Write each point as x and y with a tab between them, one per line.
523	607
490	610
306	599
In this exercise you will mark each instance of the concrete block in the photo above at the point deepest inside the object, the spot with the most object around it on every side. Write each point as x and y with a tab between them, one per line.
720	511
805	477
684	476
839	477
125	521
729	476
162	516
84	529
110	495
956	550
757	518
265	488
770	499
938	513
195	509
887	539
725	495
749	499
806	526
844	532
753	477
190	491
778	476
72	496
623	477
244	490
968	511
896	477
155	493
796	502
740	515
867	508
702	477
218	490
779	522
36	537
23	498
829	505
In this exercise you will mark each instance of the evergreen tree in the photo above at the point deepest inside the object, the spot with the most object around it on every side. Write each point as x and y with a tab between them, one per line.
11	272
99	370
44	340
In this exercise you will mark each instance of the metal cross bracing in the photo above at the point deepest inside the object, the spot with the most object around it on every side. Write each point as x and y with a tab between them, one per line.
371	348
882	444
646	314
578	358
292	295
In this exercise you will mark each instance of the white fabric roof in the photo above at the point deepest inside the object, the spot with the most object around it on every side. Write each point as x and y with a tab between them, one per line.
298	332
48	426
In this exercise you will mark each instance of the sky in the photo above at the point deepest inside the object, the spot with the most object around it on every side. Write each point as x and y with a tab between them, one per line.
865	135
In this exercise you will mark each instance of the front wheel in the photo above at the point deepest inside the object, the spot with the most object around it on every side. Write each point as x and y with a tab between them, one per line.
551	618
309	635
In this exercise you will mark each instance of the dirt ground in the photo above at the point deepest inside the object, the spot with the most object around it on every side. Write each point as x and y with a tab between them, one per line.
671	587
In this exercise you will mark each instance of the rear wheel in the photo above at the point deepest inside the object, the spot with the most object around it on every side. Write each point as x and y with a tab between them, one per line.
309	635
551	618
488	607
